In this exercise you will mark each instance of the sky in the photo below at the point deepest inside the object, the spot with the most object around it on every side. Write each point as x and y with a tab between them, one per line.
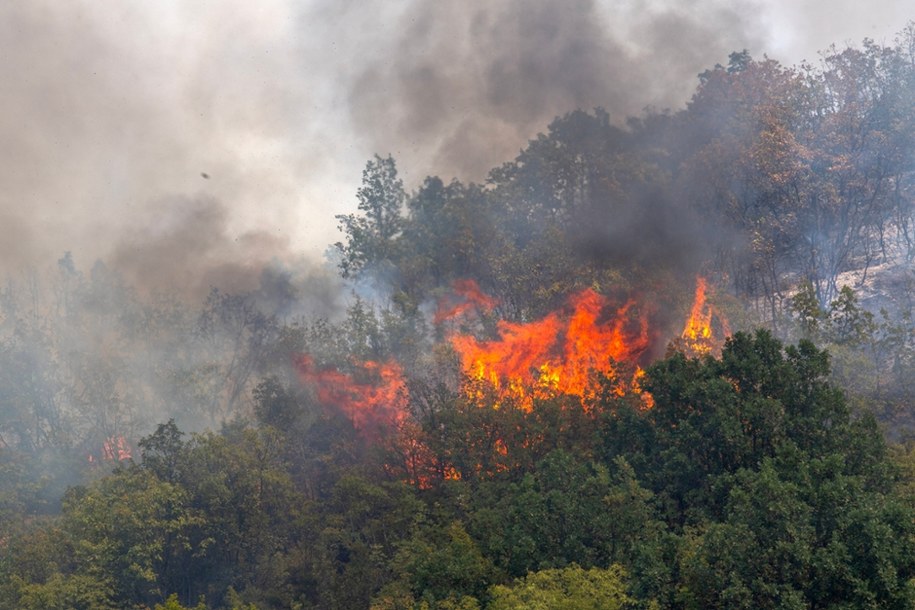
187	143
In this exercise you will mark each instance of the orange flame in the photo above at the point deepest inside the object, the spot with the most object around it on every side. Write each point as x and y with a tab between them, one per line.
114	449
375	394
466	296
558	354
698	337
568	352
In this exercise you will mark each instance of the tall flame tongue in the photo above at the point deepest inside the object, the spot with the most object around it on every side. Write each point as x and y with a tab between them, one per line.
373	396
698	337
558	354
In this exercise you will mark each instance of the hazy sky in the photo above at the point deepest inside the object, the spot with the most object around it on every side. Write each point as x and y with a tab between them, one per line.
111	110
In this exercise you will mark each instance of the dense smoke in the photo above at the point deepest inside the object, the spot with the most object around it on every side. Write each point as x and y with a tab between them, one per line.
269	111
186	245
460	85
116	113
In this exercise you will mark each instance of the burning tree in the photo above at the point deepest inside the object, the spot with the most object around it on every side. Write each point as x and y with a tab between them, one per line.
557	368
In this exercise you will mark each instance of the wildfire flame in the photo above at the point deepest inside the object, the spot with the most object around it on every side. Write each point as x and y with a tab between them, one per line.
465	296
374	394
114	449
698	337
572	351
564	353
559	354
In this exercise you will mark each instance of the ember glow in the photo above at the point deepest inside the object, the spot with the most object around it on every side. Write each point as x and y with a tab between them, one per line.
564	353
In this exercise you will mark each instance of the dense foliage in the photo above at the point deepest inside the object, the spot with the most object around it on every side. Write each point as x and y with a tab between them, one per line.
759	478
749	484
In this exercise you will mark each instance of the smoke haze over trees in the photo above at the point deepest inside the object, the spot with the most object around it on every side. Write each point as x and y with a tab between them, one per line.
113	110
190	410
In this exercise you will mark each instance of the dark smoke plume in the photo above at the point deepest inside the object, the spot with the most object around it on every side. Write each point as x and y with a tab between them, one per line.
461	85
186	243
273	107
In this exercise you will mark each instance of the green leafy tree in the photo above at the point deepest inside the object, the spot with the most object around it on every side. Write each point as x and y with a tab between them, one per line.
565	511
68	592
779	497
372	236
357	532
849	323
443	563
571	588
238	481
132	528
163	452
172	603
450	233
806	308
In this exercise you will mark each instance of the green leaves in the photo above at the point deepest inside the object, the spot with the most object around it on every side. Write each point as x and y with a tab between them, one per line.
129	527
747	485
564	511
70	592
372	236
571	588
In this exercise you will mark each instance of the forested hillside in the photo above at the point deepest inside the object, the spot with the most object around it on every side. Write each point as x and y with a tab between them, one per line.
661	363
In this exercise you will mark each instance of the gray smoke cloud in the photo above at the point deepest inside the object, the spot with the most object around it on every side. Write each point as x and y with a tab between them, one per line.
462	85
186	243
168	140
113	111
